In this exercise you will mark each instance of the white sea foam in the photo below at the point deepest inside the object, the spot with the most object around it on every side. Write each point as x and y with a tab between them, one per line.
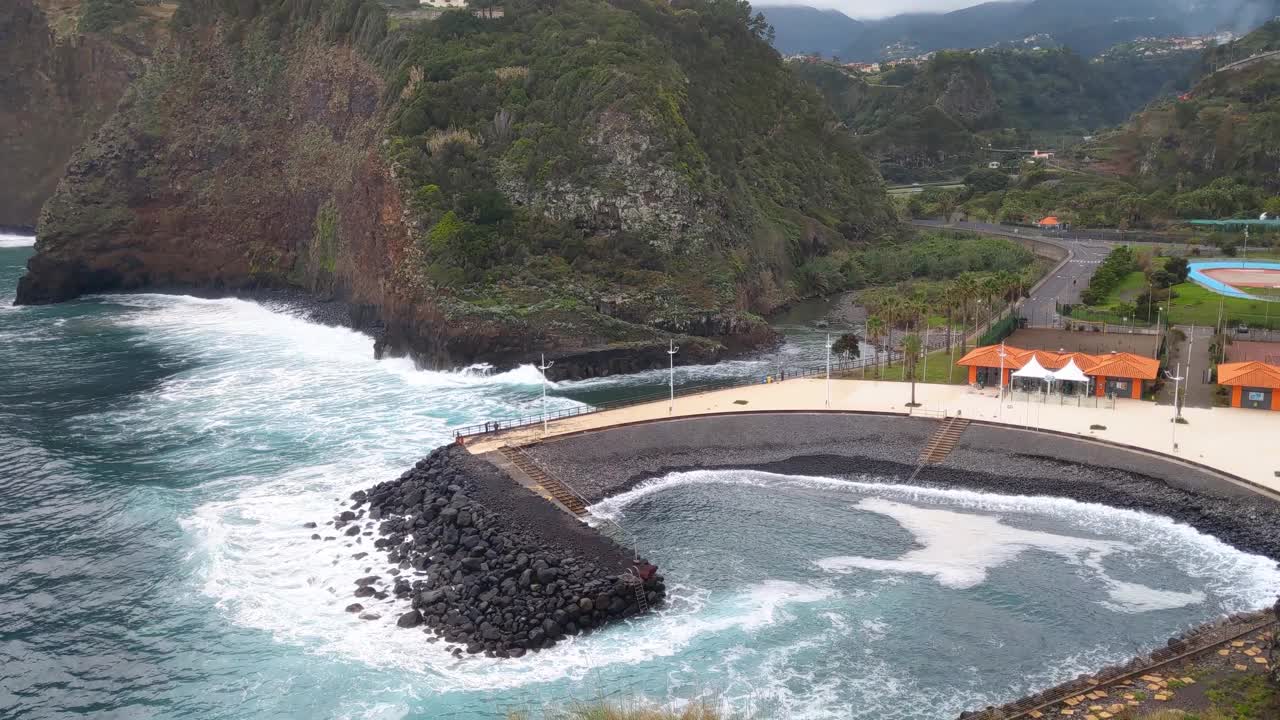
264	382
959	548
16	241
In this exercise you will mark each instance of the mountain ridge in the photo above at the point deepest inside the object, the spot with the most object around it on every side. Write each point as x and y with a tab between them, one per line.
1088	26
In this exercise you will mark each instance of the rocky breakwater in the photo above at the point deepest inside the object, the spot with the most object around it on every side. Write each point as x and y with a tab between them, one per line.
487	565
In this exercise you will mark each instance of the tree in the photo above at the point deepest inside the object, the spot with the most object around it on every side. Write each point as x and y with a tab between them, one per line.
911	347
986	180
967	291
875	333
848	345
1179	268
1162	278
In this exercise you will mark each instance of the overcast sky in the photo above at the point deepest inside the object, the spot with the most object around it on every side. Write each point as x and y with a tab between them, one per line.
862	9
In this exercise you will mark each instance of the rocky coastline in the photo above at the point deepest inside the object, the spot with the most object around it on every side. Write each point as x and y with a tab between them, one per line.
487	566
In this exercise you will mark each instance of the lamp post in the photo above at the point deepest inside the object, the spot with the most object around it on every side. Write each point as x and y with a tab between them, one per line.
828	371
1177	385
544	367
671	355
1000	384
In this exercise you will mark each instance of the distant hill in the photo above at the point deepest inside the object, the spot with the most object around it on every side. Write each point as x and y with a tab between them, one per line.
810	30
1086	26
1226	126
936	121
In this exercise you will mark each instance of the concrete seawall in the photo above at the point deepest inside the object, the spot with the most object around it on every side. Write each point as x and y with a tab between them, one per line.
993	459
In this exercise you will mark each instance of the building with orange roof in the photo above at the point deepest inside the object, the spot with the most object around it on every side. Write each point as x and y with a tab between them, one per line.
1120	374
1050	223
1253	384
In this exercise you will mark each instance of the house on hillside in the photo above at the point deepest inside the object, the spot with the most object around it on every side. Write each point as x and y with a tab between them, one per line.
1051	223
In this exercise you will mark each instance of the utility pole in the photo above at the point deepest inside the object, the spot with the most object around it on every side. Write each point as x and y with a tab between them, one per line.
671	355
544	367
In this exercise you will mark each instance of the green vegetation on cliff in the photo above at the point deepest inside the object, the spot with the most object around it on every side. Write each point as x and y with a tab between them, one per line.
657	155
574	176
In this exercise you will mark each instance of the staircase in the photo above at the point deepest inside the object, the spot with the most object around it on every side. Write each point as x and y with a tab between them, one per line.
943	441
637	585
556	489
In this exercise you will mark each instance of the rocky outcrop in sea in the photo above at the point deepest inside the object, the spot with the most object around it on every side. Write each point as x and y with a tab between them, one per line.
489	566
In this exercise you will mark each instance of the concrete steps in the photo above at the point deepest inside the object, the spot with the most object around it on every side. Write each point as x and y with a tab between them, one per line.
556	489
943	441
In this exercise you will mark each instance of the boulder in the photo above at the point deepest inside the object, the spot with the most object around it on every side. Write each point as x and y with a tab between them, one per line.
411	619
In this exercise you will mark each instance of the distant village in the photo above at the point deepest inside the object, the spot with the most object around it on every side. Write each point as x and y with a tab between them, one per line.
900	54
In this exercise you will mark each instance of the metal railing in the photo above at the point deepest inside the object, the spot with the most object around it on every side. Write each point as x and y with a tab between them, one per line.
838	368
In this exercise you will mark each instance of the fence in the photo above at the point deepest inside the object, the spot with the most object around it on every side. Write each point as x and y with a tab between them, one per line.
1106	402
838	368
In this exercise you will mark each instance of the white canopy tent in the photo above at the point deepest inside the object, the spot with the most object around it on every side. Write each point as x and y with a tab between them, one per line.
1070	373
1034	370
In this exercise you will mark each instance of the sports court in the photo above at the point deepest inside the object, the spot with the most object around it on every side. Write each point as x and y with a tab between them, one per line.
1236	278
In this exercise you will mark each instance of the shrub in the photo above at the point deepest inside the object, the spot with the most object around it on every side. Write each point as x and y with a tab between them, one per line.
102	15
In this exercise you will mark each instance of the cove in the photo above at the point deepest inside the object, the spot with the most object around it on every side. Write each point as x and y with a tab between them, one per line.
159	454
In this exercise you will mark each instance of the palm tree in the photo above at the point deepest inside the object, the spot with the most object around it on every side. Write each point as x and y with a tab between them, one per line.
911	346
875	333
966	288
992	288
948	299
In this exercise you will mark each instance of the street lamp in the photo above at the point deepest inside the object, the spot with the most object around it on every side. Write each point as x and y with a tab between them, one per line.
1000	383
544	367
828	371
671	355
1177	413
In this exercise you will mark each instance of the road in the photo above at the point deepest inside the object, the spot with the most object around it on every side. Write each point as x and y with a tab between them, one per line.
1065	284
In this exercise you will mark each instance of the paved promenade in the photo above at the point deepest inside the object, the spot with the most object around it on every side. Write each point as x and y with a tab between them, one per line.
1245	443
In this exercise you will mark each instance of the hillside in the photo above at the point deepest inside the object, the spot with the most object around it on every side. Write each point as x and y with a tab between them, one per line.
935	121
1226	126
63	66
800	29
1212	153
583	178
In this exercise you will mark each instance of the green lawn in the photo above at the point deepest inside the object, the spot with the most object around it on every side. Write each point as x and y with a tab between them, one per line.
1195	305
939	371
1129	289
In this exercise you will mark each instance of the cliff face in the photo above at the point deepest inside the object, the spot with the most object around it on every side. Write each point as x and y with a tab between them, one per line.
476	188
58	87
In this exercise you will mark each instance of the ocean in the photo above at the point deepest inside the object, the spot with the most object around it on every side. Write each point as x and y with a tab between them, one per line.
160	453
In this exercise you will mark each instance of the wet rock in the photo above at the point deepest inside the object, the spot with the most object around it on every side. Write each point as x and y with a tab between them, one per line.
489	582
355	608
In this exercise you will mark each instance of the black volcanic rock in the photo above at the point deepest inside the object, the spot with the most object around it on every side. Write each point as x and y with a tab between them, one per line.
488	565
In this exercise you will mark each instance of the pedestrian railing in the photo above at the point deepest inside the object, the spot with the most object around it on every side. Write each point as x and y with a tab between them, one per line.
840	368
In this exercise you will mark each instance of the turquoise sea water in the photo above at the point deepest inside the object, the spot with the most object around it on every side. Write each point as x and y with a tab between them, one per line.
158	455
